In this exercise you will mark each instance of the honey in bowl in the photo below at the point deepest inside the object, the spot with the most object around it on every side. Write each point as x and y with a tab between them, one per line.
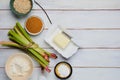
34	25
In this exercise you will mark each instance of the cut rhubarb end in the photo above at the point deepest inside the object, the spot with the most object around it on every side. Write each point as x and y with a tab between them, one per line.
47	69
53	55
46	58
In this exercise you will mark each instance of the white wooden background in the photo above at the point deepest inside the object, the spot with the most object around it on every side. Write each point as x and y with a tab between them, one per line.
94	23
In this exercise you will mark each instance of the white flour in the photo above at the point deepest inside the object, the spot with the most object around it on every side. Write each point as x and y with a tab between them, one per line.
19	66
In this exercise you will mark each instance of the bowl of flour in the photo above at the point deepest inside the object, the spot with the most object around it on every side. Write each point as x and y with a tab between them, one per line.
19	67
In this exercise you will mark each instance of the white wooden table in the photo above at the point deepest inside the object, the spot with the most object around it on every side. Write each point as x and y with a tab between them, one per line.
94	23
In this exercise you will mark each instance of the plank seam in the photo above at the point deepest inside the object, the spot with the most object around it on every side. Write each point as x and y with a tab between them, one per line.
108	48
79	67
75	28
70	9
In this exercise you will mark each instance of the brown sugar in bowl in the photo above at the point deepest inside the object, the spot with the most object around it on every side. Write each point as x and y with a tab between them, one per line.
34	25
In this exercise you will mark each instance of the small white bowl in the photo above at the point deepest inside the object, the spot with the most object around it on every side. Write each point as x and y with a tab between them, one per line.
8	64
37	32
67	52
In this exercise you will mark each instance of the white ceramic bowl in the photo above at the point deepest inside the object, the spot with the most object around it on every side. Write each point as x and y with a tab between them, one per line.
8	67
37	32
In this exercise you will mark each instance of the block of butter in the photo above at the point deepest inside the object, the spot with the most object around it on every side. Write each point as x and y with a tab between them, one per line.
61	40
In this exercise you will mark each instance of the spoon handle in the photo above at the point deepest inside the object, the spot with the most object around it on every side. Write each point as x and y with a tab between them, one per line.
43	11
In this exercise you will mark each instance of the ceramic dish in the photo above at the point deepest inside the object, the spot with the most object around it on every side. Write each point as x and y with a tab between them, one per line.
71	48
9	63
37	32
16	12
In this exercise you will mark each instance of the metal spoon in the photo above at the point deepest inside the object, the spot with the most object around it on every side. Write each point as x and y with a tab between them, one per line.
43	11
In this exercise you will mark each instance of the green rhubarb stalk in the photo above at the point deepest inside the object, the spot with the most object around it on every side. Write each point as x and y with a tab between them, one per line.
48	53
39	50
18	32
42	53
42	64
52	55
8	43
28	37
38	56
15	40
16	36
23	31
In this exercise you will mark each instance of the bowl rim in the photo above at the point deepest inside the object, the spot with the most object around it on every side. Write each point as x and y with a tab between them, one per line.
11	57
41	28
16	12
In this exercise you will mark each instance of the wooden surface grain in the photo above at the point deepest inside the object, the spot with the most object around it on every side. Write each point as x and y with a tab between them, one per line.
68	19
72	4
95	24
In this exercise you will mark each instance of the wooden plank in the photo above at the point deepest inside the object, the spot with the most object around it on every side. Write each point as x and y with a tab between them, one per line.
84	58
84	38
78	73
89	74
72	4
80	4
68	19
8	20
3	75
